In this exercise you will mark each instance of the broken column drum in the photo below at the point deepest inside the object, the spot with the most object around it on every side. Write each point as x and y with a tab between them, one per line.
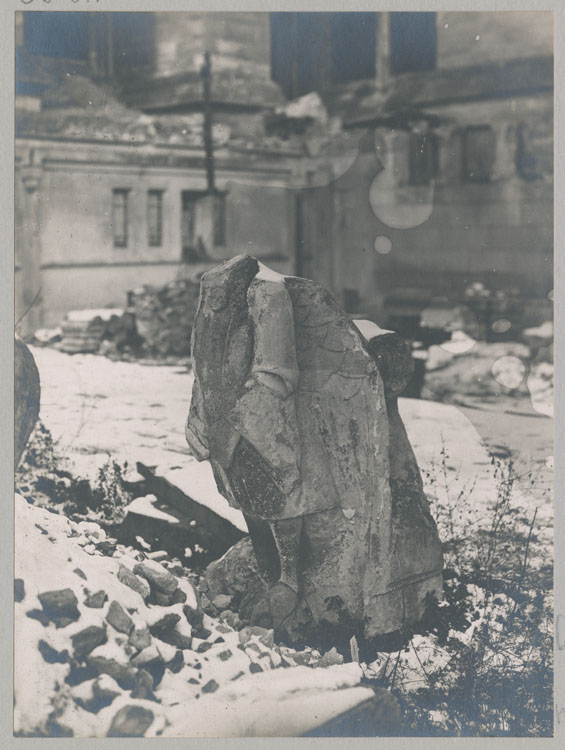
296	409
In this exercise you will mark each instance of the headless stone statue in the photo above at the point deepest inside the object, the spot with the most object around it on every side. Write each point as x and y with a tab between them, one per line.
295	407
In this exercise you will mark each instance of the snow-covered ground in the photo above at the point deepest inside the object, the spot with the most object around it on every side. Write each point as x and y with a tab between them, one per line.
98	409
146	675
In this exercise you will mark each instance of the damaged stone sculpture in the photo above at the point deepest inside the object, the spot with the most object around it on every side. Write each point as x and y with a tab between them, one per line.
26	394
295	407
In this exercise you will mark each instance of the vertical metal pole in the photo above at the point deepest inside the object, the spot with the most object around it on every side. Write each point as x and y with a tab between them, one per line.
110	48
205	72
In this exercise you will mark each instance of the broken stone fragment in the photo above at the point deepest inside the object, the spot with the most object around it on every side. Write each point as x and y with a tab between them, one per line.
210	687
159	579
51	655
105	688
330	658
164	624
223	628
179	640
140	638
179	596
143	688
244	635
78	674
254	668
194	617
231	618
167	651
124	675
176	663
133	582
96	600
118	618
225	655
60	606
201	633
19	590
107	546
265	635
222	601
131	721
203	647
163	600
87	640
80	573
147	655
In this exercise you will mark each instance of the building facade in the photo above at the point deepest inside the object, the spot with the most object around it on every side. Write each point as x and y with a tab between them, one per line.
391	156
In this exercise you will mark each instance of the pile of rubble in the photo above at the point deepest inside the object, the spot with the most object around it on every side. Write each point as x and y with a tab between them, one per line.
464	367
123	644
157	323
82	331
164	316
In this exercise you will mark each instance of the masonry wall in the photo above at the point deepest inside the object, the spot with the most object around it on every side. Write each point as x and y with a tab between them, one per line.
441	238
236	40
475	38
81	267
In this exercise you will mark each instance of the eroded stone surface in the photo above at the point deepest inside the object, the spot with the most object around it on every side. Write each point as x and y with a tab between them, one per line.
297	413
27	393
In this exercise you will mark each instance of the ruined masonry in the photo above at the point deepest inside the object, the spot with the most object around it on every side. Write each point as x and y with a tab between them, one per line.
295	407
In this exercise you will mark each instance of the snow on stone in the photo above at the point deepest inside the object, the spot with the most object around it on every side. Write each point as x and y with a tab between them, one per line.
259	706
231	700
145	506
85	316
197	481
368	329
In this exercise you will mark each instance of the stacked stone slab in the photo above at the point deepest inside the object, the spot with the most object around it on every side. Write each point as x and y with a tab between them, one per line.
295	407
84	330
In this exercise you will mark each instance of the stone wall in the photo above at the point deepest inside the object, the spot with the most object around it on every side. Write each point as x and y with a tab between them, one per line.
473	38
499	231
73	235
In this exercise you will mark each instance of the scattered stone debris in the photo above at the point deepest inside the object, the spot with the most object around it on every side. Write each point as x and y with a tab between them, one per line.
116	662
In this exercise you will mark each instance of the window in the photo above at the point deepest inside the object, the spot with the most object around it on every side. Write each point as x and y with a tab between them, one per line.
353	46
311	50
219	219
120	216
155	217
412	42
61	34
423	158
479	151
